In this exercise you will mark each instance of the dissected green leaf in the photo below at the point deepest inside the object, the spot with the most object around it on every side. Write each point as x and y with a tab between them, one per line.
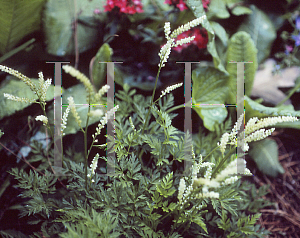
19	89
261	30
209	87
99	69
59	24
241	49
197	8
265	155
18	18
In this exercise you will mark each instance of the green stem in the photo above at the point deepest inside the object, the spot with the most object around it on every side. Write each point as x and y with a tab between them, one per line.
175	108
209	154
85	145
151	100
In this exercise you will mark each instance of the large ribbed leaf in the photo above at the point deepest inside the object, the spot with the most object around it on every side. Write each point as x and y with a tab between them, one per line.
261	30
209	87
241	49
197	8
59	25
18	18
265	155
19	89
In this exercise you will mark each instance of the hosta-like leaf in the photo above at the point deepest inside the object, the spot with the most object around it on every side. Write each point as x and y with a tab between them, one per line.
18	18
265	155
59	25
209	87
241	49
261	30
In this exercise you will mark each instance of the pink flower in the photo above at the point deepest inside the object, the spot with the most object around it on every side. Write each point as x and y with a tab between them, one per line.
182	6
201	39
288	49
205	3
125	6
97	11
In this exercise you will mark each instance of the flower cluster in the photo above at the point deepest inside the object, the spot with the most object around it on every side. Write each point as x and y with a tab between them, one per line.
254	131
101	92
40	91
18	99
200	40
64	120
182	5
207	184
73	110
93	166
171	42
125	6
82	78
170	88
43	86
24	78
43	119
104	120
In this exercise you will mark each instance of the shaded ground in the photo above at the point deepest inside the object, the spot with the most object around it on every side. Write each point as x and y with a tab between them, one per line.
284	220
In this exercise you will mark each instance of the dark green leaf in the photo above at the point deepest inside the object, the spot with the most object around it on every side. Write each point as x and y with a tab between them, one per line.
18	19
261	30
265	155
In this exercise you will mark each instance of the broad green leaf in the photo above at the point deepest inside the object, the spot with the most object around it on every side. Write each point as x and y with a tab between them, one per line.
78	93
265	155
197	8
99	70
241	10
237	8
254	109
209	87
19	89
220	32
217	9
241	49
18	18
261	30
59	24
